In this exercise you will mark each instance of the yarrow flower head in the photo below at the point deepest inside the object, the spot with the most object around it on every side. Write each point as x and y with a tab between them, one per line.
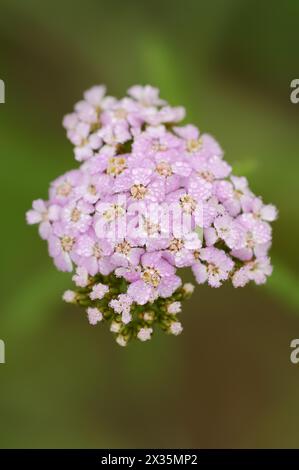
148	197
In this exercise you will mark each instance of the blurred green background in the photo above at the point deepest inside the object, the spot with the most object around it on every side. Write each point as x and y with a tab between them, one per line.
228	380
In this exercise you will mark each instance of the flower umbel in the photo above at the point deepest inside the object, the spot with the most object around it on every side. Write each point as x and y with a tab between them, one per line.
149	197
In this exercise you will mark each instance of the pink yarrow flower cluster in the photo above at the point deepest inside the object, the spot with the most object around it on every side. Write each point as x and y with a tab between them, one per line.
149	197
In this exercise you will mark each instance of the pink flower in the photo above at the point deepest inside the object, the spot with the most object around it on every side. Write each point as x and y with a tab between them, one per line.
81	277
146	95
174	308
62	190
89	188
95	95
77	215
156	142
144	334
267	212
215	266
69	296
43	214
125	254
235	195
167	114
149	197
197	146
122	306
180	251
94	254
113	136
252	233
62	242
94	315
140	184
125	112
228	231
176	328
257	271
156	275
98	291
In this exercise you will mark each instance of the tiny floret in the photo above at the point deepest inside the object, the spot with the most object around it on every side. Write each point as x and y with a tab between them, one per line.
98	291
176	328
94	315
144	334
174	307
189	288
69	296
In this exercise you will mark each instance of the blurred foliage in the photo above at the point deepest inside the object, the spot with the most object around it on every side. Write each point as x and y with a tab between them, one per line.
65	383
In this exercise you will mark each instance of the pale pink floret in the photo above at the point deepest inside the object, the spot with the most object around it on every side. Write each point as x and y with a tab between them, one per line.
228	231
77	215
156	142
94	315
122	305
267	212
95	95
63	189
174	308
166	114
146	95
98	291
69	296
216	267
61	243
94	254
81	277
43	214
144	334
176	328
256	271
252	233
156	275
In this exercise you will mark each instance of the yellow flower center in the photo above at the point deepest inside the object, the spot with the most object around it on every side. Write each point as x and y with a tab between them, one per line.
188	203
116	165
92	189
123	248
176	245
120	113
213	269
206	175
157	146
164	169
64	189
75	215
138	191
97	251
67	243
151	276
193	145
114	211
